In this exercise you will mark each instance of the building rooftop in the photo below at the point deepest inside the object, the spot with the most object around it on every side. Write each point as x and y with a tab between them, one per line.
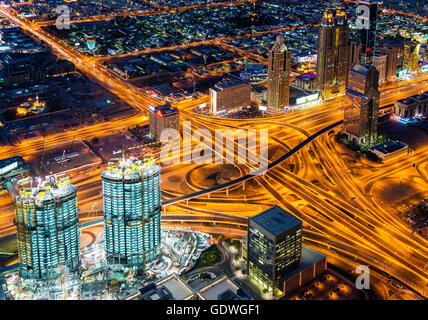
389	147
130	169
420	97
12	166
164	110
178	288
46	190
309	258
172	287
223	289
307	76
276	220
360	68
228	83
407	101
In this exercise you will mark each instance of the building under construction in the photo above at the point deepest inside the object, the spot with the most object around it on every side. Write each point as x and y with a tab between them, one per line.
47	229
132	212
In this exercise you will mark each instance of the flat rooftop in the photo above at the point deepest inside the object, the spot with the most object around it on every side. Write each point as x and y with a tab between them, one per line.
228	83
309	258
389	147
407	101
223	289
276	220
420	97
164	110
174	284
11	167
361	68
179	289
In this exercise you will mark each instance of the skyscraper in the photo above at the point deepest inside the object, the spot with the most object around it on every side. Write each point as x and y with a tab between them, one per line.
132	212
380	62
278	75
411	56
391	62
361	112
333	51
366	23
353	53
362	108
47	229
274	247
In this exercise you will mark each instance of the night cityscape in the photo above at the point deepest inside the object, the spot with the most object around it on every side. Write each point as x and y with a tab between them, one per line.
214	150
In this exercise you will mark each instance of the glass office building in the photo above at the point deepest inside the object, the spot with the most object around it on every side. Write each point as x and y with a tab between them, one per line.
274	247
132	212
361	113
47	229
367	29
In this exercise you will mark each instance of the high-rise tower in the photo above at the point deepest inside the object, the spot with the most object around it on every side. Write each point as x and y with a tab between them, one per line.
47	229
274	247
361	113
279	75
362	108
366	23
132	212
333	51
411	56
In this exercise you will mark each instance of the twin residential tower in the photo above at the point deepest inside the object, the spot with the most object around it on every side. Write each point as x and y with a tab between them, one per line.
47	229
132	212
48	225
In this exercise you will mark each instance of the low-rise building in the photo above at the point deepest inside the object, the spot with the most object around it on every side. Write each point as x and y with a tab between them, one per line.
413	106
313	263
422	103
307	81
14	168
223	288
172	287
405	108
390	149
229	94
259	94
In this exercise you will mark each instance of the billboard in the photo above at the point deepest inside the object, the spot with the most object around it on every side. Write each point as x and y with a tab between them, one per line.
309	98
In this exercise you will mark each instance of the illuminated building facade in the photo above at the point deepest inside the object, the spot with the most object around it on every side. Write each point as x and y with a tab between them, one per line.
228	95
278	94
411	56
353	53
380	62
132	212
163	117
391	62
361	111
367	29
274	247
47	229
333	50
411	107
